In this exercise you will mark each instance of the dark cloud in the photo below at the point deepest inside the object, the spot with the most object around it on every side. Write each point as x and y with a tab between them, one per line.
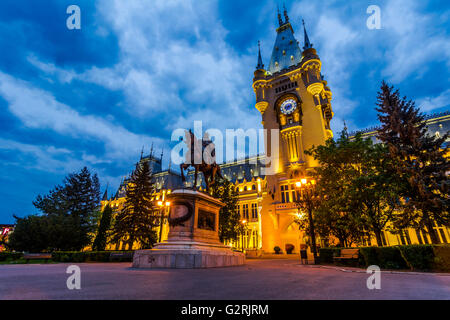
139	69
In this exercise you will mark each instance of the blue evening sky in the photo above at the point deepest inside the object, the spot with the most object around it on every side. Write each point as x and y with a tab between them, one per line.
138	69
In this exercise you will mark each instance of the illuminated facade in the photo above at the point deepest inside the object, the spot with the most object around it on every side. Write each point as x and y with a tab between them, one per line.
294	98
5	231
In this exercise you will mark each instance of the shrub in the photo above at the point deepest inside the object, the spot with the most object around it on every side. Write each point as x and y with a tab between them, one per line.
7	256
277	250
326	255
289	248
415	257
441	258
418	257
384	257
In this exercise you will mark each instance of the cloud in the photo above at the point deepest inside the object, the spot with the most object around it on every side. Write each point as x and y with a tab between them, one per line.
174	59
431	103
44	158
38	109
64	76
415	39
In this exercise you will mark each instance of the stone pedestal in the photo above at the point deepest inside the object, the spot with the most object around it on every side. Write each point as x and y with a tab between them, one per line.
193	240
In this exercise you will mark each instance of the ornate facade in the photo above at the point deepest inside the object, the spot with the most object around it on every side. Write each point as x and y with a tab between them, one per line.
293	98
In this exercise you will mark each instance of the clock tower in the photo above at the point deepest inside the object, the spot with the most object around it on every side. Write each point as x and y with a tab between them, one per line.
292	97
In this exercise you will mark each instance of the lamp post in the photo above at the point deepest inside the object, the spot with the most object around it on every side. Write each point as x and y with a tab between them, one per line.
163	206
307	199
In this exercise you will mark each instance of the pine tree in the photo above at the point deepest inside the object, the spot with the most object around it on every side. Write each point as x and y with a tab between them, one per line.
419	162
230	226
137	220
71	210
102	232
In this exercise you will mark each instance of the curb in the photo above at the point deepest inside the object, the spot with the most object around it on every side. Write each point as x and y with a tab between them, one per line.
382	271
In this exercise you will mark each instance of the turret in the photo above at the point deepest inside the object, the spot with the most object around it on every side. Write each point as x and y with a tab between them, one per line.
259	83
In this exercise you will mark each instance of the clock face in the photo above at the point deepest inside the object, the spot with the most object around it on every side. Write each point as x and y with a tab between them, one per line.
288	106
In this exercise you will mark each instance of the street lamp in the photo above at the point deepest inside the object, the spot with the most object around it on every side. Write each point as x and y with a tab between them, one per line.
307	199
163	206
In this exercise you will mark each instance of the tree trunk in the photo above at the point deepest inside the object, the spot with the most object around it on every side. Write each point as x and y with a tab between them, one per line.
341	242
378	237
130	244
312	235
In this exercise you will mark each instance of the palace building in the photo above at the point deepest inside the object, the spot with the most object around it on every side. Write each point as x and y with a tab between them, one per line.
294	98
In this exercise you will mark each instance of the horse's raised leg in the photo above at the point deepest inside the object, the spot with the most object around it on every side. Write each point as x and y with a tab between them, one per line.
182	173
196	174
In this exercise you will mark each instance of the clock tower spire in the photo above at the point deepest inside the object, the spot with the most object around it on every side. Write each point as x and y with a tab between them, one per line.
295	102
294	98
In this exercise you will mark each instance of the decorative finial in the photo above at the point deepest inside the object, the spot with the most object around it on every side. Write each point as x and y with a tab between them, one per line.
260	63
280	21
345	132
286	17
151	151
308	44
162	154
142	152
105	195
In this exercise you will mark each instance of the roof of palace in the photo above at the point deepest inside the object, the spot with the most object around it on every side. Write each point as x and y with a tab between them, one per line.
438	124
286	51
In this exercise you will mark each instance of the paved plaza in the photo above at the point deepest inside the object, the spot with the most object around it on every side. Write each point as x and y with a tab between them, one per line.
258	280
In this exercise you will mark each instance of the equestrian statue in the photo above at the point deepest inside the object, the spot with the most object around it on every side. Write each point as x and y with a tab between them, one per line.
202	161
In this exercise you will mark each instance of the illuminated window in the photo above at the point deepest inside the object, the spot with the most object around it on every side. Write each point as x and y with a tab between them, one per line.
404	237
245	211
246	239
293	193
285	194
440	232
254	211
422	236
255	239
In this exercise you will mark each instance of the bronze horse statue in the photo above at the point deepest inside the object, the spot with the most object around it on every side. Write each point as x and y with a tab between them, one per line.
210	169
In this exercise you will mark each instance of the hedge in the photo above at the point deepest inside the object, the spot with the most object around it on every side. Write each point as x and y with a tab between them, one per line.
88	256
414	257
5	256
327	254
384	257
441	258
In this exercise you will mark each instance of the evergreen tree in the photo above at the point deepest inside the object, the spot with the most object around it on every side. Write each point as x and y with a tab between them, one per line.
30	234
230	226
138	219
46	233
71	210
418	162
102	232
